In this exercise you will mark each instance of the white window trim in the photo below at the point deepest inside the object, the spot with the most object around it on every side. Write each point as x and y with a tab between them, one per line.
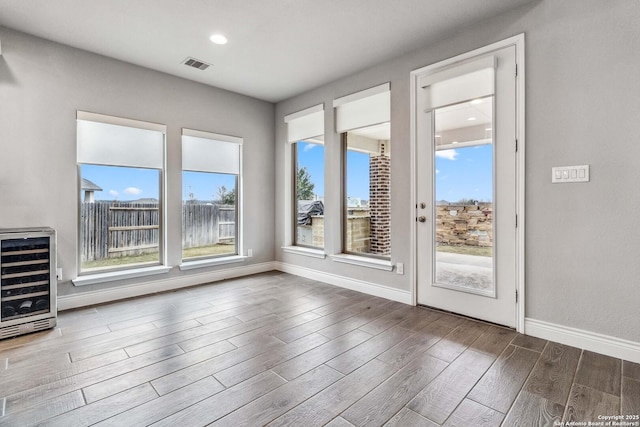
94	276
120	121
304	251
354	117
218	260
289	181
363	261
211	262
211	135
113	276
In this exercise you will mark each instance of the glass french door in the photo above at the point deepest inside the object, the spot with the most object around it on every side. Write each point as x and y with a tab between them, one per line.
466	187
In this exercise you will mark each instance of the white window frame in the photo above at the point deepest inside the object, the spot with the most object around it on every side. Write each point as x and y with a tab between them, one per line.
207	261
358	110
301	125
130	271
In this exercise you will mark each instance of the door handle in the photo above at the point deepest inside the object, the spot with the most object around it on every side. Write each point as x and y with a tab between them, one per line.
422	218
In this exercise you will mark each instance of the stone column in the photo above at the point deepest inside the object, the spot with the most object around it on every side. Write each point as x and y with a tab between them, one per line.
380	200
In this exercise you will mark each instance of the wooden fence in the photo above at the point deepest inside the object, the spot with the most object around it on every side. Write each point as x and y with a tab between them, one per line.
112	229
206	224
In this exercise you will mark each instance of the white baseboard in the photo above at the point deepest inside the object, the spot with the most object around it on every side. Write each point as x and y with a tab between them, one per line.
83	299
592	341
346	282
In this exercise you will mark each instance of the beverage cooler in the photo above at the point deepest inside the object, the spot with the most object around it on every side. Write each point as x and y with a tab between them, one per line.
28	280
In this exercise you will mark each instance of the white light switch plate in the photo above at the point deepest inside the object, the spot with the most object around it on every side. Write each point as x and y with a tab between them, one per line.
562	174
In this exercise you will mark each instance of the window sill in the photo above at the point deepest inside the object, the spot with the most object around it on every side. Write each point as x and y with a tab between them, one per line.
191	265
378	264
299	250
112	276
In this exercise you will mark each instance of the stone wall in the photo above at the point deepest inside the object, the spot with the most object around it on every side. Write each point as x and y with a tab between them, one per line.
456	225
317	230
358	229
465	225
358	232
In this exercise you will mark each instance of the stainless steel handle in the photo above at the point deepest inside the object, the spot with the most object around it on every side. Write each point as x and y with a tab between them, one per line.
422	218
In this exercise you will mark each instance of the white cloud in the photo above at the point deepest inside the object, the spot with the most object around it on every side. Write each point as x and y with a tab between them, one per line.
447	154
309	147
132	190
113	193
437	171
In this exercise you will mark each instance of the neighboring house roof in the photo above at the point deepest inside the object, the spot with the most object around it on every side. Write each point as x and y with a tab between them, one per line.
89	186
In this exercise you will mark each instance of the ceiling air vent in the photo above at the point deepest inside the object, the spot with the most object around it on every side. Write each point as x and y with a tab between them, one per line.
196	63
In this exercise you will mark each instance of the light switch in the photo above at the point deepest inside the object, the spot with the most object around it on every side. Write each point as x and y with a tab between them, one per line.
566	174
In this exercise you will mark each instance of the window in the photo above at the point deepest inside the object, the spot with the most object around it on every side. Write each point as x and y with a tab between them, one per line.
120	163
363	121
305	133
367	186
210	195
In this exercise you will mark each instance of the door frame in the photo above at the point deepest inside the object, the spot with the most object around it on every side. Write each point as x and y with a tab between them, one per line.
518	42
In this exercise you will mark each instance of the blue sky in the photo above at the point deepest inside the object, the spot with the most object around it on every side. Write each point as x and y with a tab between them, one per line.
311	156
460	173
358	175
204	186
122	183
465	173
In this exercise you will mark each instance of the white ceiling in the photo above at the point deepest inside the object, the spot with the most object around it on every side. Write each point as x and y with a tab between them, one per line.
460	115
277	48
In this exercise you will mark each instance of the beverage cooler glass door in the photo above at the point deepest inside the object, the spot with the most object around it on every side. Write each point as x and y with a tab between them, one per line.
27	280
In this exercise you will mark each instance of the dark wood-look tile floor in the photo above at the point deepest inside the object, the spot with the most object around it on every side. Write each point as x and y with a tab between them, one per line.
279	350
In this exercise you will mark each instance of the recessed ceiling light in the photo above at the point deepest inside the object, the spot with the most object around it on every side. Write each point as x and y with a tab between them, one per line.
471	119
488	129
218	39
437	136
476	101
454	142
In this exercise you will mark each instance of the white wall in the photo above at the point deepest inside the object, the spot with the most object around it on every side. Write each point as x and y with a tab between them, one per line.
42	84
582	107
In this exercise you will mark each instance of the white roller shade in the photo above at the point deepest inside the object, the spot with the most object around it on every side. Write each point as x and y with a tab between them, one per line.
216	153
305	124
472	80
119	142
366	108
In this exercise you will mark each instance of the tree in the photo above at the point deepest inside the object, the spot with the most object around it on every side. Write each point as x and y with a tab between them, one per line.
304	186
226	197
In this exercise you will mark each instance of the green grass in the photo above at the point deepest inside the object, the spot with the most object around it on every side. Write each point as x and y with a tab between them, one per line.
120	261
211	250
466	250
